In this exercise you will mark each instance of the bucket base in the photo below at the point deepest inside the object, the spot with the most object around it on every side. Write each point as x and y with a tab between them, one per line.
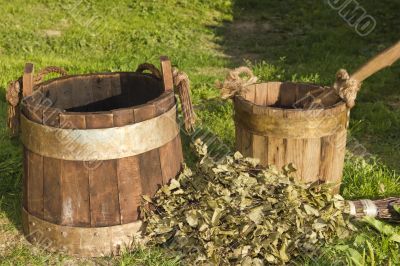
80	241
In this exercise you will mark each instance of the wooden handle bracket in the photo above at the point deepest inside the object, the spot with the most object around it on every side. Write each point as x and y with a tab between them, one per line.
166	69
28	80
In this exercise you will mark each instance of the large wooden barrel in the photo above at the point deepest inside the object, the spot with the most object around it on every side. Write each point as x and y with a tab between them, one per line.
93	145
273	125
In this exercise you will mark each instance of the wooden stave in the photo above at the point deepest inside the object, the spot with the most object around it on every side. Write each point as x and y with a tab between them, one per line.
275	153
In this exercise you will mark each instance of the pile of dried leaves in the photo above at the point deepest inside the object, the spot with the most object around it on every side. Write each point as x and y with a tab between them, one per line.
239	213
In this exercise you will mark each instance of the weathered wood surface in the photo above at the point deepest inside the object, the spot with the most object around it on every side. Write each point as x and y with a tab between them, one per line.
27	79
91	208
166	69
272	126
52	190
99	193
273	121
72	193
75	194
130	188
35	197
89	95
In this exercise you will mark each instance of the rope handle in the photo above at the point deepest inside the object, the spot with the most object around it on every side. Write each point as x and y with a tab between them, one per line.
23	87
172	77
182	83
149	67
49	70
345	87
235	84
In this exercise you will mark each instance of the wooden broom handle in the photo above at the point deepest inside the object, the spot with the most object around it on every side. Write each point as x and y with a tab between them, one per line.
382	60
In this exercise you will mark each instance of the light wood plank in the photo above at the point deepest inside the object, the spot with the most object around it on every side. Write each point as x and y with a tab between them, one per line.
129	188
311	160
75	209
52	189
35	184
104	200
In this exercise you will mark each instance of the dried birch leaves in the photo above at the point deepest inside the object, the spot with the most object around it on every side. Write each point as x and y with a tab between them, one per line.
238	213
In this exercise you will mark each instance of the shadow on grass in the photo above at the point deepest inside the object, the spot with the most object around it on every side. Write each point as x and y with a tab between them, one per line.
10	183
313	40
10	171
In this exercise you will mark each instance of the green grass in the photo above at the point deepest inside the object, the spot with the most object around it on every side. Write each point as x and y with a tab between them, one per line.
280	40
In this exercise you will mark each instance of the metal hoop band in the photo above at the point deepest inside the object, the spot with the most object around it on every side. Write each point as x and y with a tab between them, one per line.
99	144
80	241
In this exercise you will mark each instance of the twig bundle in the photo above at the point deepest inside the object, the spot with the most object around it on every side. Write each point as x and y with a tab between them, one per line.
385	209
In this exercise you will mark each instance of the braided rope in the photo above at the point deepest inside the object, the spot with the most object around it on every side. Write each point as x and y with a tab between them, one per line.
234	84
346	87
47	70
150	67
14	96
182	83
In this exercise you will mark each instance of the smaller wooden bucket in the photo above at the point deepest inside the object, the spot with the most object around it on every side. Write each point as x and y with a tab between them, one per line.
272	125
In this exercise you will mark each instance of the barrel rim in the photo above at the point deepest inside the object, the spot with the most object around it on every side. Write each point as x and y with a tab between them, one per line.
29	104
291	123
47	82
333	109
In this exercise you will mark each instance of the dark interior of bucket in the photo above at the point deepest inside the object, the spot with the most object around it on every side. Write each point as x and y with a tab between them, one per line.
102	92
285	95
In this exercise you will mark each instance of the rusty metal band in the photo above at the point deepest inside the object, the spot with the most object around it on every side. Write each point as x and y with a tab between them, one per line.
291	127
81	241
99	144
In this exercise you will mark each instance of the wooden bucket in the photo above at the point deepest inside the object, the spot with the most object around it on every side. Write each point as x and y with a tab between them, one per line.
272	125
93	145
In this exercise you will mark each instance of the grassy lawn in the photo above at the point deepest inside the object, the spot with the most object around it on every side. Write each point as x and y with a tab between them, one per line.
282	40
